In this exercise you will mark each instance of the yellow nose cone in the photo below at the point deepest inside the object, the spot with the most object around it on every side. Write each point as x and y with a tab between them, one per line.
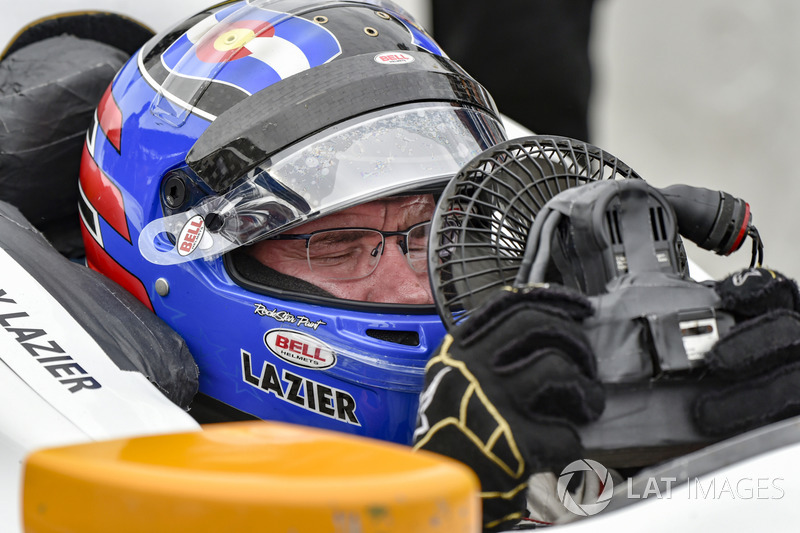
247	476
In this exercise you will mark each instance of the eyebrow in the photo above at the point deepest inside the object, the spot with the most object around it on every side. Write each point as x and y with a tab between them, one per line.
340	235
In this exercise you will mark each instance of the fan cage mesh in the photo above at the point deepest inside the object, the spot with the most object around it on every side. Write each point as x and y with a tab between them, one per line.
481	224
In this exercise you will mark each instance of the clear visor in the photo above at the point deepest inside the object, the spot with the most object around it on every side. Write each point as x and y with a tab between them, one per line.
404	149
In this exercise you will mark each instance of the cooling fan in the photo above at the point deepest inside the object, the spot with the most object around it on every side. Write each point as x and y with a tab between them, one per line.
491	225
481	224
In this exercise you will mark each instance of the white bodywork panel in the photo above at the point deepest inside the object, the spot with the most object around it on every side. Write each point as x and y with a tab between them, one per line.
73	395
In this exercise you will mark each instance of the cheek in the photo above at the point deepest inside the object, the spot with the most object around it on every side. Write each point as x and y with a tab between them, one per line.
349	290
285	257
425	283
293	267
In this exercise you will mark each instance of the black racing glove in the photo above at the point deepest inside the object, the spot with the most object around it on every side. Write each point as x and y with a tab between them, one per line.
505	390
758	360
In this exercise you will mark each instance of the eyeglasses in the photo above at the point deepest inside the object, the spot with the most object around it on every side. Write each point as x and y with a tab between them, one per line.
354	253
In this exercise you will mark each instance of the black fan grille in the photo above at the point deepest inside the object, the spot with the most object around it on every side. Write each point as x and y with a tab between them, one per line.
482	220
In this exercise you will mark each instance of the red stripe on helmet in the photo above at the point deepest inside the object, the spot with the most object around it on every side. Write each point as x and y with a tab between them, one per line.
98	259
104	196
110	118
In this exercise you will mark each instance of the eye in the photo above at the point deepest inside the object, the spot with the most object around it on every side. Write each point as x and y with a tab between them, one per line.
337	246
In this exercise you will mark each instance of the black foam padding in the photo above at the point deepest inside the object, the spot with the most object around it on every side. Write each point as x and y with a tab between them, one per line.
48	94
123	33
132	336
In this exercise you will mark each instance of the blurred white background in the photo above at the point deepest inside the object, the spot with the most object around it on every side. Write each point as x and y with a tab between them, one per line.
692	92
705	93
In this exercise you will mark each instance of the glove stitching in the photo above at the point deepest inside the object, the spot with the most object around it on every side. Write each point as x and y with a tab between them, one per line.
461	424
512	516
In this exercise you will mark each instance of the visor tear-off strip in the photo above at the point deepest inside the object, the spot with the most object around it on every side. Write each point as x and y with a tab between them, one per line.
276	117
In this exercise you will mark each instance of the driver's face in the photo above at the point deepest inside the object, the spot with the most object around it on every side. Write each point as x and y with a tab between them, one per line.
393	280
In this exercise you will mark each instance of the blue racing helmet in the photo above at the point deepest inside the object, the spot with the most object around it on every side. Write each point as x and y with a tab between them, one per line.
246	120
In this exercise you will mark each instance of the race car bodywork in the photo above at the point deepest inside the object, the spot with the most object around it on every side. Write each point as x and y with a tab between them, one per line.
69	371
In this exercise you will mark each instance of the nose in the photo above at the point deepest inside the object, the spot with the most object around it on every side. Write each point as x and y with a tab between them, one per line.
393	280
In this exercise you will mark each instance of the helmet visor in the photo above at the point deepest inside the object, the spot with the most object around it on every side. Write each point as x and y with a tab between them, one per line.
406	148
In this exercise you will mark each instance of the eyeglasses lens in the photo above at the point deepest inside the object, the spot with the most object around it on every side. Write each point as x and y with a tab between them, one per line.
353	254
345	254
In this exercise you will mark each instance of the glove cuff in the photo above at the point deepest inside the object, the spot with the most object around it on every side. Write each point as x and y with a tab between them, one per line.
755	291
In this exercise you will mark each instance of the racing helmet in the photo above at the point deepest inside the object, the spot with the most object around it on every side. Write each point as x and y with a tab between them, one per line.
249	119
